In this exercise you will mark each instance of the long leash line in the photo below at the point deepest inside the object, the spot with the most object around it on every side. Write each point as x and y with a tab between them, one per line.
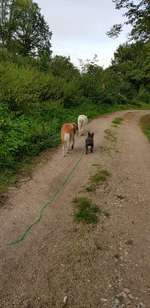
24	235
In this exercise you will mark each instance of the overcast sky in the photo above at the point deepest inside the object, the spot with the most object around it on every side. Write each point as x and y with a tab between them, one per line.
79	28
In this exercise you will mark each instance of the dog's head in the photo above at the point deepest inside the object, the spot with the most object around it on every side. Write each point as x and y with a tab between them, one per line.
91	135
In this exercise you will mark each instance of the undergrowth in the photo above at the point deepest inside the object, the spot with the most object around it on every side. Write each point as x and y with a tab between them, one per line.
145	125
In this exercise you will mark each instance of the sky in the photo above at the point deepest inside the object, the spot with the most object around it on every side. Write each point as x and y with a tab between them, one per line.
79	28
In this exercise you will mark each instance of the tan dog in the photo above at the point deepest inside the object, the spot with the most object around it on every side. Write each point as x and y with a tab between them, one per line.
68	131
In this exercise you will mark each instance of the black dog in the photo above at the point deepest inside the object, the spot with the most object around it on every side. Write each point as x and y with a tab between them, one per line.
89	142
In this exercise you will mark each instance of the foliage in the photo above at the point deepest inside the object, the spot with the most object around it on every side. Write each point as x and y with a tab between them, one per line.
137	14
23	29
132	64
145	125
62	67
115	31
4	16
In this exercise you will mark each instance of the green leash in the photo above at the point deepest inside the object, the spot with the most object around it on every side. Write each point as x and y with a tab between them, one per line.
24	235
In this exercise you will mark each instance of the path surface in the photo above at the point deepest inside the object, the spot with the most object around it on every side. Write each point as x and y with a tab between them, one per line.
105	265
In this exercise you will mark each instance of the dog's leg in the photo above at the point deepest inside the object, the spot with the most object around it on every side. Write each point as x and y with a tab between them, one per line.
86	149
64	149
73	141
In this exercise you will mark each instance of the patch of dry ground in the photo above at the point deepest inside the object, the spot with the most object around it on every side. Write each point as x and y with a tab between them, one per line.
86	266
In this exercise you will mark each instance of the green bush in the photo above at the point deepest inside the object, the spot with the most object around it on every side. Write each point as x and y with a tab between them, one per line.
22	89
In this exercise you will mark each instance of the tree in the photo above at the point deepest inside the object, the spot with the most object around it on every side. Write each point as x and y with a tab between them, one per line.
27	31
92	79
4	13
132	63
85	65
4	4
62	67
137	14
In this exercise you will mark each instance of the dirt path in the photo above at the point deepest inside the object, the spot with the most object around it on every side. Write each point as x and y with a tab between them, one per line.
105	265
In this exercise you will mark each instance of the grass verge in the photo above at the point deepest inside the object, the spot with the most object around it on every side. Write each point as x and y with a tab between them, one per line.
145	125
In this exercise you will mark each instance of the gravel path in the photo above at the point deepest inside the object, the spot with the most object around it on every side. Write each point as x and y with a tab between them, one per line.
65	264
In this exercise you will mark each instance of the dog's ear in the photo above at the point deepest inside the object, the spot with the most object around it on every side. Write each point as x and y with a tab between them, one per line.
92	134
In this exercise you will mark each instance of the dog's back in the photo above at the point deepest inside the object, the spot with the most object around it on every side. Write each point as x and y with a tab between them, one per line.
89	142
